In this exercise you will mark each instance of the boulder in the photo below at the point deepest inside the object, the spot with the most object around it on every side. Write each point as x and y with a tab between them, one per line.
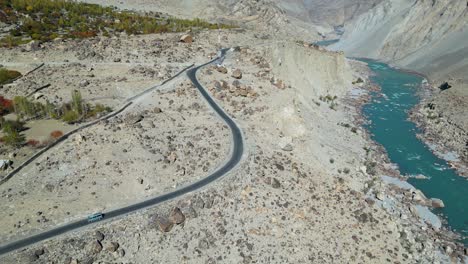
186	38
37	96
380	196
96	247
237	74
437	203
33	46
172	157
157	110
237	84
275	183
84	83
445	86
285	143
221	69
418	196
164	224
112	247
5	164
39	252
98	236
224	85
176	216
79	139
133	119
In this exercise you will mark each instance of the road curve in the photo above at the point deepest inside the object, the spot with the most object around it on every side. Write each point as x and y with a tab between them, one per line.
234	159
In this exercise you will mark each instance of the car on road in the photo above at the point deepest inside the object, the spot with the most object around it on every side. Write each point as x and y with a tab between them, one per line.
95	217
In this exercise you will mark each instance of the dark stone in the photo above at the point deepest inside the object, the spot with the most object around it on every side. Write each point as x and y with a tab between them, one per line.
39	252
275	183
445	86
98	236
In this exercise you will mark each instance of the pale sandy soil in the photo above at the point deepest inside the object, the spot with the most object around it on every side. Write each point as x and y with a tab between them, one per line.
316	200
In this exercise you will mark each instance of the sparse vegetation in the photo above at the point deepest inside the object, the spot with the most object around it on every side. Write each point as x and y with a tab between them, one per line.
358	81
7	76
71	117
77	102
331	100
45	20
12	136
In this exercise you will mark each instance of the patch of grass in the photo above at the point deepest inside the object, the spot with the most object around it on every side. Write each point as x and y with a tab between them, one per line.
7	76
12	135
45	20
71	117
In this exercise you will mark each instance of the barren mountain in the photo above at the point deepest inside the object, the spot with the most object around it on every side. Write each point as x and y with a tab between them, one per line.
428	36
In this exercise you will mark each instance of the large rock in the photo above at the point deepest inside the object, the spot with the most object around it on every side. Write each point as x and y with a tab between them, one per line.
5	164
221	69
186	38
133	119
177	217
172	157
285	143
437	203
275	183
84	83
99	236
96	247
112	247
33	46
164	224
237	74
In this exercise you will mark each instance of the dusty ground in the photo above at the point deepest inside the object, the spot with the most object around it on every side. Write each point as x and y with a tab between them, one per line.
308	189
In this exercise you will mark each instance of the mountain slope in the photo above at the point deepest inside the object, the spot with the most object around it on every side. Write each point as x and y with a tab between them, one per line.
424	35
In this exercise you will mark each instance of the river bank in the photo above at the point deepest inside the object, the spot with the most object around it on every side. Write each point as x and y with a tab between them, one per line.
445	137
375	121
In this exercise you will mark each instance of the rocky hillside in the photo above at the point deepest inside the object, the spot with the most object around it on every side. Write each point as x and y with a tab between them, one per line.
424	35
331	12
265	16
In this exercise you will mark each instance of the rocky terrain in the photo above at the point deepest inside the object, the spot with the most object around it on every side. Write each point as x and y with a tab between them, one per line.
310	185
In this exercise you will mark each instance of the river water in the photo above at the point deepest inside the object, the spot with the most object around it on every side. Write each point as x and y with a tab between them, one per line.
387	114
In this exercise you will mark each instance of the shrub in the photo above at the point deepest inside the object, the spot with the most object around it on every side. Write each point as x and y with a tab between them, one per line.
97	109
33	143
77	102
12	136
56	134
11	124
71	117
6	106
7	76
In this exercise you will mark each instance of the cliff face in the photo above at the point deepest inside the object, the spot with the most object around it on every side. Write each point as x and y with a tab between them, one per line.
430	36
330	12
311	71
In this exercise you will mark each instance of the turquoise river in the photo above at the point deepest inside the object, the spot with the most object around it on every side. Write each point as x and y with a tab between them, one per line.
387	114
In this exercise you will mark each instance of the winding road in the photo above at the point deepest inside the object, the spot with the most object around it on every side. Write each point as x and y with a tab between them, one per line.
236	156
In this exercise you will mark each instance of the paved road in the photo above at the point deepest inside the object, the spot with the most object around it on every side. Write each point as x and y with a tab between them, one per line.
236	155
